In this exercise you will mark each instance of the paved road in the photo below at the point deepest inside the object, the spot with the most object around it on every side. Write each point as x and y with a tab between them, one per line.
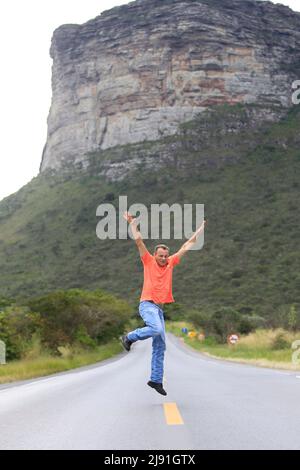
109	406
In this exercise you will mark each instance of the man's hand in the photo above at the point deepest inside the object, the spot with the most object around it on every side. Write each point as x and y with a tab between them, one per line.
135	232
127	216
189	243
198	231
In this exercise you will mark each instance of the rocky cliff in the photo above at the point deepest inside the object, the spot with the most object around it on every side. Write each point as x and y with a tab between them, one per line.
137	71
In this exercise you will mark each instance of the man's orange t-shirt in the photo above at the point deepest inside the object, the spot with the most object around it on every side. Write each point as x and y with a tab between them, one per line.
158	279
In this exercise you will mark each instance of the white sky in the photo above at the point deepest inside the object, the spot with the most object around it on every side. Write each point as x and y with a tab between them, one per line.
25	82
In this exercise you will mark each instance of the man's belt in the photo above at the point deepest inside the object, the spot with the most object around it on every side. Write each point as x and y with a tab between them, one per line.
155	303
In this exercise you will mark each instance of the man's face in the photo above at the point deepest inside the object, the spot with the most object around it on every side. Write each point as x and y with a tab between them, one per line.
161	256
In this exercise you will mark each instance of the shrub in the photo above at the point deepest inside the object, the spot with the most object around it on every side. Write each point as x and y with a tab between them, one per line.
249	323
17	327
174	311
84	339
80	316
224	321
33	348
62	319
280	342
200	319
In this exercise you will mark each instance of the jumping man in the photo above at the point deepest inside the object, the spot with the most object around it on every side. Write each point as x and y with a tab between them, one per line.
157	291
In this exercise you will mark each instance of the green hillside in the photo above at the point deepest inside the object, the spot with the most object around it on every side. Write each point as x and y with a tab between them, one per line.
248	180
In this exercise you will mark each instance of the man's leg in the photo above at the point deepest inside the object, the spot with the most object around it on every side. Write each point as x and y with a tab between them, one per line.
150	313
157	364
158	355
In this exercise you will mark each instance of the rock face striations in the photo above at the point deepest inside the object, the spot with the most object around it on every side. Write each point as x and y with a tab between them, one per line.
137	71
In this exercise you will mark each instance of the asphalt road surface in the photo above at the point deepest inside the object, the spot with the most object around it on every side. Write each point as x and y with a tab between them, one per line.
210	404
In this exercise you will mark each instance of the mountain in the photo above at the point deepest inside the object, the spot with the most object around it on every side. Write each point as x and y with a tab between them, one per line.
137	71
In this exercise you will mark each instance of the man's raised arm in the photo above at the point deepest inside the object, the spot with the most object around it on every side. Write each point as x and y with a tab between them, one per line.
136	233
189	243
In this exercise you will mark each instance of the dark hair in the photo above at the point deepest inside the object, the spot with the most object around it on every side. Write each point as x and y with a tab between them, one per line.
165	247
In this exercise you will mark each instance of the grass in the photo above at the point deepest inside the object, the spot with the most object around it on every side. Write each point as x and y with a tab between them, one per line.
46	364
255	348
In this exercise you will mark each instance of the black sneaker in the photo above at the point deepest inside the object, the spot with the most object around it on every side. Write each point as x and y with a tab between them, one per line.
157	386
126	343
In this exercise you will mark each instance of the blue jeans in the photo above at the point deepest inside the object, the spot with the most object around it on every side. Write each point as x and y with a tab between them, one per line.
153	316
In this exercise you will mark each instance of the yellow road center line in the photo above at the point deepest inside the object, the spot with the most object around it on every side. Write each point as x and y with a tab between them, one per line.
173	417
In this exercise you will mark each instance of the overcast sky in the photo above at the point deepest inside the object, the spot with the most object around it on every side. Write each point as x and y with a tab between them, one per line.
25	36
